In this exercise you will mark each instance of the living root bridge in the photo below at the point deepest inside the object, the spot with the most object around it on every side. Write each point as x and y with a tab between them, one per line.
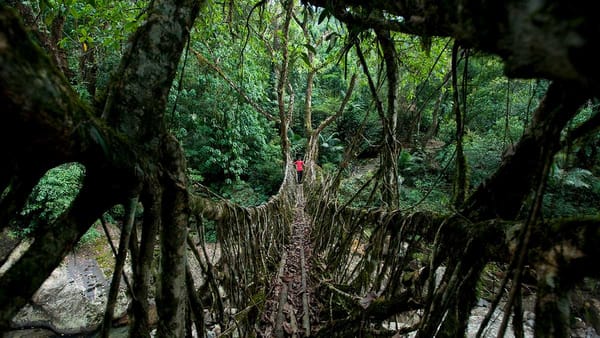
433	263
288	311
400	253
252	241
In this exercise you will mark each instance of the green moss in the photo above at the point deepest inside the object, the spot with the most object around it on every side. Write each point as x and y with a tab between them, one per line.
259	299
104	255
490	280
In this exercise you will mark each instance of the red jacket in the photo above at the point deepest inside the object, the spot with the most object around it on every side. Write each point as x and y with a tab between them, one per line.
299	165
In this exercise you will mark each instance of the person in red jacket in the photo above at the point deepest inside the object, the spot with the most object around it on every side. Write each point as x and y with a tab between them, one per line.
299	168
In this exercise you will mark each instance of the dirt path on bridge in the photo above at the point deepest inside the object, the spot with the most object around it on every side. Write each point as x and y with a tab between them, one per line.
290	306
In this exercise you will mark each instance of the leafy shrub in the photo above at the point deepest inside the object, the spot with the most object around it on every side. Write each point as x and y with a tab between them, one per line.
242	193
331	149
210	231
352	186
426	194
573	192
483	155
265	174
53	194
90	236
117	214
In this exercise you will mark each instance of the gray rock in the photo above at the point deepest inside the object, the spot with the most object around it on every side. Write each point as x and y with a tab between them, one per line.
483	303
71	300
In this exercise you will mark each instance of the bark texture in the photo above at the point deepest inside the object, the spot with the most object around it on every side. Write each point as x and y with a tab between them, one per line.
128	152
548	39
50	126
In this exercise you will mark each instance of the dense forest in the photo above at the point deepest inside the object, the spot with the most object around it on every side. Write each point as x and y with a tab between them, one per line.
449	146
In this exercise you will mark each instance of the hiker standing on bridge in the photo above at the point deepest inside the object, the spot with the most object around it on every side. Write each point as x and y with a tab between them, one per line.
299	168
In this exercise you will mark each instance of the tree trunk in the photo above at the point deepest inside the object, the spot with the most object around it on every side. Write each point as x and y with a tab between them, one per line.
282	80
172	292
461	184
54	241
391	146
142	269
435	115
135	106
502	195
119	265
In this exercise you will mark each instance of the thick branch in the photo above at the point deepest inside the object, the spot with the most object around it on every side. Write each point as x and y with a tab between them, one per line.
118	270
142	268
535	39
137	99
378	309
208	208
502	195
389	122
460	179
590	126
171	299
38	104
282	78
54	241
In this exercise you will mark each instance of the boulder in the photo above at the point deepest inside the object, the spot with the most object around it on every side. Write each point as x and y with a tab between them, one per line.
72	300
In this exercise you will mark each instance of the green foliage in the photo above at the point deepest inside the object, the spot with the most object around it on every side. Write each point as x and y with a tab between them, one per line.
222	144
102	23
266	174
51	196
573	192
349	125
194	176
575	178
242	193
329	169
224	138
484	149
351	186
426	193
420	186
483	154
116	214
297	143
210	231
410	163
331	149
92	27
90	236
492	98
